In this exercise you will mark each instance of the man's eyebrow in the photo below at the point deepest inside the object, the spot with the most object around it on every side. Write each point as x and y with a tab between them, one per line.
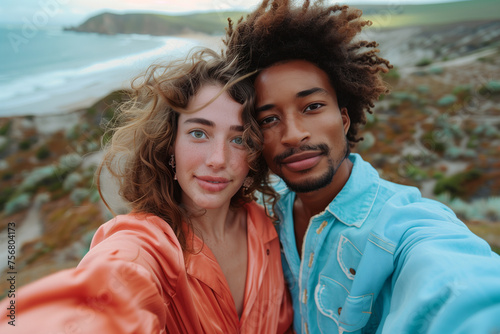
311	91
203	121
264	108
300	94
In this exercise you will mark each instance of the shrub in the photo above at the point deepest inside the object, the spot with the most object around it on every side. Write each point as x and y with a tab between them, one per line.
25	145
71	181
4	145
486	130
492	87
455	185
4	129
7	176
436	70
92	146
70	161
415	173
423	89
405	96
43	153
461	89
432	142
478	209
18	203
78	195
36	176
5	195
424	62
453	152
447	100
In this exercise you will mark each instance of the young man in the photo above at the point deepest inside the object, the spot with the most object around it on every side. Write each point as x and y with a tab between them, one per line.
360	254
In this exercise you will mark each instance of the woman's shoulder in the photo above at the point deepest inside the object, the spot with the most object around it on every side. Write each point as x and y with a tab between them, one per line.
142	234
146	240
140	224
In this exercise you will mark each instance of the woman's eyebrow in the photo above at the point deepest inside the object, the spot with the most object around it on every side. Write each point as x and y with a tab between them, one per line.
203	121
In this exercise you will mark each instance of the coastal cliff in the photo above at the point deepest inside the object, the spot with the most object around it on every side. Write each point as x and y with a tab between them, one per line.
156	24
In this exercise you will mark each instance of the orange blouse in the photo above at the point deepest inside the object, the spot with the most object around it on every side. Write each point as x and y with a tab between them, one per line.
135	279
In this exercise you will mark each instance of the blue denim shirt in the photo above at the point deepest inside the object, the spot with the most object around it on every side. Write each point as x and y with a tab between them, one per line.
382	259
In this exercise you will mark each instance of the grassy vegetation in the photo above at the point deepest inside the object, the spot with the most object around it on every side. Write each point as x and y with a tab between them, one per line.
392	15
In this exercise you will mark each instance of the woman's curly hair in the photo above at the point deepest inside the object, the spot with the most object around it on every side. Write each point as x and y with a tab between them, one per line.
142	140
323	35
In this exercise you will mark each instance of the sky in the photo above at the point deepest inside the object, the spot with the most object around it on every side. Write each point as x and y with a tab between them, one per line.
74	12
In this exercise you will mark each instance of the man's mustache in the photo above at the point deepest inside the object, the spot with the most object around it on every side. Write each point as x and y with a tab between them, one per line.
323	148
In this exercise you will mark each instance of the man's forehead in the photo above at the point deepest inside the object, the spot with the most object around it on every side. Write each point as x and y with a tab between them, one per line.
297	72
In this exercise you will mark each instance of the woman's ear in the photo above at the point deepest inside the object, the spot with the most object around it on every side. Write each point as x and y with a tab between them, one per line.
346	120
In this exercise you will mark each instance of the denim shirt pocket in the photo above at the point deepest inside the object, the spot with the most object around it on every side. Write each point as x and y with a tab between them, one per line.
356	312
348	257
329	296
337	309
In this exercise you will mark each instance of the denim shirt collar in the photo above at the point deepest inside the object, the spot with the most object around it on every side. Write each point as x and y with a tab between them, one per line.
353	203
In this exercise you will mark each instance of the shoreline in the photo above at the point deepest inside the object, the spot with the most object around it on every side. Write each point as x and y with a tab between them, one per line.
83	91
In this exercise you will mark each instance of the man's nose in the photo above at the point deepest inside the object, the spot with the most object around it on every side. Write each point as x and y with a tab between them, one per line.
294	132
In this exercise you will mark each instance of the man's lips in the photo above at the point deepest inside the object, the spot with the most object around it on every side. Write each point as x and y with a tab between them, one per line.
301	161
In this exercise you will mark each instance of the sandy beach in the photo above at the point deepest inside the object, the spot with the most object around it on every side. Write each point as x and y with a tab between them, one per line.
86	89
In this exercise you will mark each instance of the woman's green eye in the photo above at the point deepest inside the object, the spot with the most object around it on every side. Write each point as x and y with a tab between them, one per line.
238	141
198	134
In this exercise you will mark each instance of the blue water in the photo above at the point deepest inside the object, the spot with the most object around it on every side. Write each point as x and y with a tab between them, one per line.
36	65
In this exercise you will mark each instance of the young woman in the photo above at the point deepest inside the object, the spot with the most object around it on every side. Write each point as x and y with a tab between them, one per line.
196	254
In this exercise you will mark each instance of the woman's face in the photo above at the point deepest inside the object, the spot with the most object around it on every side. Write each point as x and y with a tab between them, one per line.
211	160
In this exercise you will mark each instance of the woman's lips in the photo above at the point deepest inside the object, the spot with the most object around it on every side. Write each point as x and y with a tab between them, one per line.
211	183
301	161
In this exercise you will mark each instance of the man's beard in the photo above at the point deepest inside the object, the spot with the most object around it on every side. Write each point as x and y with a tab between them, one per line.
323	180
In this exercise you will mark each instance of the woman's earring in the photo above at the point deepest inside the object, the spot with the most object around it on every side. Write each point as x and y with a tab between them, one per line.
247	183
172	164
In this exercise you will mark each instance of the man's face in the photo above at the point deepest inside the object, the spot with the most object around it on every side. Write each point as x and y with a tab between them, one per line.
304	130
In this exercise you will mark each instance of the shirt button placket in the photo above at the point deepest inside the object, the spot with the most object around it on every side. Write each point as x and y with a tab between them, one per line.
321	227
311	258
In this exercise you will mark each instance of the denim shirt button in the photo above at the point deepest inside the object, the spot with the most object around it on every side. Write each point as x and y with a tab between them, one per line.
339	310
352	271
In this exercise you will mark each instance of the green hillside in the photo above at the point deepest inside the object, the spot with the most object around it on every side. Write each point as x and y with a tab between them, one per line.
213	23
431	14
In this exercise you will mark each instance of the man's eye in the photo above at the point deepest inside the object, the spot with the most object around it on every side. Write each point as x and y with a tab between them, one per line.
238	141
198	134
268	120
313	106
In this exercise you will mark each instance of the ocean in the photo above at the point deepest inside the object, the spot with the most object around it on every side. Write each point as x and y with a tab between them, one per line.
46	71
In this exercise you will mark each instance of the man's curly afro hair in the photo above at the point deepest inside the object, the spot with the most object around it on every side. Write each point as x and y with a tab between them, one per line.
324	35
